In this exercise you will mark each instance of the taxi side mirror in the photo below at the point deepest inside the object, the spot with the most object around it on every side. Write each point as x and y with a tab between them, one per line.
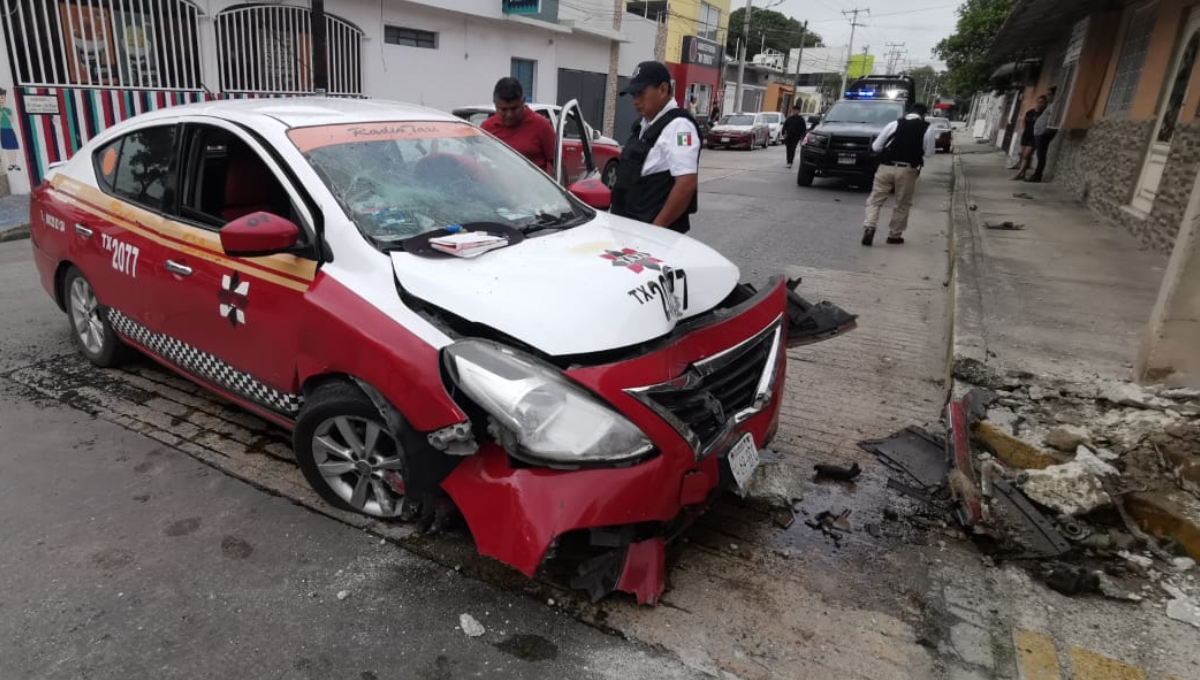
592	192
259	234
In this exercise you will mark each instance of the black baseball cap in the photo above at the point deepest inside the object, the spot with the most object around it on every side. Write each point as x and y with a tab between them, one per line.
646	74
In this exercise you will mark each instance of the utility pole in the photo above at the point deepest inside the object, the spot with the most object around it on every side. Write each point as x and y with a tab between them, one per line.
320	48
799	61
737	92
850	48
894	51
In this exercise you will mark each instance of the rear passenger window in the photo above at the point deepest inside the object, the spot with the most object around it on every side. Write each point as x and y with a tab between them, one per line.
106	164
137	166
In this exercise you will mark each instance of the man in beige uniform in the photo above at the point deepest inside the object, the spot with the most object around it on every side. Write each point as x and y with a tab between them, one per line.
903	146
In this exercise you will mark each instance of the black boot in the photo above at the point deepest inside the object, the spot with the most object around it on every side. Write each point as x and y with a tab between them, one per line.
868	236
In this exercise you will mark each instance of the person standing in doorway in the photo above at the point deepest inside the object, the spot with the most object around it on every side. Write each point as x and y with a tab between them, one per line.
903	147
1044	134
794	129
1028	138
518	126
657	174
714	115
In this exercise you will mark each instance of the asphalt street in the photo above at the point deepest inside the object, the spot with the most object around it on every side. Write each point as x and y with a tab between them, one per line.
152	530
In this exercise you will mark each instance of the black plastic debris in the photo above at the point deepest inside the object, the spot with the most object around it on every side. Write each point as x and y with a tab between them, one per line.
1023	196
1028	533
1005	225
914	453
1070	580
837	472
830	524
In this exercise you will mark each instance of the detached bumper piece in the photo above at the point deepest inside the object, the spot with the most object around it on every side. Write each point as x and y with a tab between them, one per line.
634	567
809	323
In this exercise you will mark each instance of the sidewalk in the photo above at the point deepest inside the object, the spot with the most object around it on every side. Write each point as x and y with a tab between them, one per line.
1066	297
14	217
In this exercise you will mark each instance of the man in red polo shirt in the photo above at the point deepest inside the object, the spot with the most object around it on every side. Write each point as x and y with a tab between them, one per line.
520	127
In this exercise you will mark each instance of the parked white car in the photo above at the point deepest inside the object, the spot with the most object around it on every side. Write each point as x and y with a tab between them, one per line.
775	122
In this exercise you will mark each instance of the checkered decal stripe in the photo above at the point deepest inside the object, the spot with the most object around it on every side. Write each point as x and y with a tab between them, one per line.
205	365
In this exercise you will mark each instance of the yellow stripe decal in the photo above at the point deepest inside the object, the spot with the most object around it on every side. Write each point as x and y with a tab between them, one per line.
205	245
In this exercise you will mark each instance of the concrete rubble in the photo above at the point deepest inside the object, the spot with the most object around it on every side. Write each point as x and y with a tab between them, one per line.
1097	481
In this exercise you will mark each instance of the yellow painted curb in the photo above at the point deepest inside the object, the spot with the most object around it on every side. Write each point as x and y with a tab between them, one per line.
1168	513
1013	451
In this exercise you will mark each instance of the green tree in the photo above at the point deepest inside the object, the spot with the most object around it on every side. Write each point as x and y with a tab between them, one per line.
779	32
966	51
928	83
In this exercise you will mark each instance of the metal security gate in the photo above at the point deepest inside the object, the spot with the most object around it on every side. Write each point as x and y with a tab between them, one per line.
80	66
268	49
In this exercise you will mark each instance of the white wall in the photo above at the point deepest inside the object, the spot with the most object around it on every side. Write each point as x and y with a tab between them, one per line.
818	60
641	34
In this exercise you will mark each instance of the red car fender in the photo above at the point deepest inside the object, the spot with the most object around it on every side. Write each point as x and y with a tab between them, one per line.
516	513
343	334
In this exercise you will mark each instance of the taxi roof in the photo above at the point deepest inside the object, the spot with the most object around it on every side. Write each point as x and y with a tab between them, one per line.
294	112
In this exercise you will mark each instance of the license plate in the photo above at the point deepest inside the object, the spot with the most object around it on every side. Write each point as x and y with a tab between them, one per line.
847	159
743	459
724	140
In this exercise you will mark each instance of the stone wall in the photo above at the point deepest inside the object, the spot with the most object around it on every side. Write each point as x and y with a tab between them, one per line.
1176	188
1102	166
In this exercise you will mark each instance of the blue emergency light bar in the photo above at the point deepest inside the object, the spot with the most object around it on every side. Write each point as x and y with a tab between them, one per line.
896	93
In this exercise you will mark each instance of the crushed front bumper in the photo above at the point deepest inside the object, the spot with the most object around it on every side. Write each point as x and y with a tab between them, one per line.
734	367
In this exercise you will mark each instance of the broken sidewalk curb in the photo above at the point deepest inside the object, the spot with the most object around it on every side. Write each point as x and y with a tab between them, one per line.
1014	451
1162	514
20	231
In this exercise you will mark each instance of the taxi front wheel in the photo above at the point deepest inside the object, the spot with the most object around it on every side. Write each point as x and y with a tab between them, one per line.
90	328
347	452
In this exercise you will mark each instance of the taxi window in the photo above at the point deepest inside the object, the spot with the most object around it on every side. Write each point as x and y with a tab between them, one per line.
106	164
137	166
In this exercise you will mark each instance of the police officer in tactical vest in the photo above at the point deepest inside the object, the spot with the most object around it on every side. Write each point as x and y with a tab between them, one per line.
903	146
656	177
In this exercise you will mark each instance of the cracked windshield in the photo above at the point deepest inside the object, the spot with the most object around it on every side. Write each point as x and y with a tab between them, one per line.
398	180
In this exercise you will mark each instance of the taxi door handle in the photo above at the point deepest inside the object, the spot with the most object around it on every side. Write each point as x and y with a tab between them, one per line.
83	231
176	268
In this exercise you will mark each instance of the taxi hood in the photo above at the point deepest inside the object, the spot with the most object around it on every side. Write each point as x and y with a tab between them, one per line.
608	284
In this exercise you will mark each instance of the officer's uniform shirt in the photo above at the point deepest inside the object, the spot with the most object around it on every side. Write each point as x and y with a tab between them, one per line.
677	149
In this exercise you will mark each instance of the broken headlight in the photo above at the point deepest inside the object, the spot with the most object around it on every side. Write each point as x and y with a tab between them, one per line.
553	420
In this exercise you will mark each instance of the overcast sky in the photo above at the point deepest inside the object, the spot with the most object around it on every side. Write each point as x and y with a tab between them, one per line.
918	24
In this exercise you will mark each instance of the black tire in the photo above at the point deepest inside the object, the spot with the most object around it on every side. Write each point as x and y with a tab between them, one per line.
344	400
805	175
108	350
609	176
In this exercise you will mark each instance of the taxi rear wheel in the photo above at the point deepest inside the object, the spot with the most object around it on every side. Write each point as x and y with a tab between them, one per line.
348	454
90	328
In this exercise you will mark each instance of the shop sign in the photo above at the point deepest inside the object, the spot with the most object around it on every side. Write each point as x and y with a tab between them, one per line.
700	52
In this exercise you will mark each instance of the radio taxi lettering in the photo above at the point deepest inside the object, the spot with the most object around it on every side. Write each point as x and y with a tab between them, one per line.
234	298
635	261
124	255
389	130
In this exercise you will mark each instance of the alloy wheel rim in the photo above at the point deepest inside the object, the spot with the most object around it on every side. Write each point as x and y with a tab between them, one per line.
85	312
360	462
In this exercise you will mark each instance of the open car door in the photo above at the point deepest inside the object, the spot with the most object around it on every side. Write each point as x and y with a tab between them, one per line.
573	160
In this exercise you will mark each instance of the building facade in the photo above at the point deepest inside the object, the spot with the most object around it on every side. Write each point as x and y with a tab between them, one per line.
1127	142
71	68
693	46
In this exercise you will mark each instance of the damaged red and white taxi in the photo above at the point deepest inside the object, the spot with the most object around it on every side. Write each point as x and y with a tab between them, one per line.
441	325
